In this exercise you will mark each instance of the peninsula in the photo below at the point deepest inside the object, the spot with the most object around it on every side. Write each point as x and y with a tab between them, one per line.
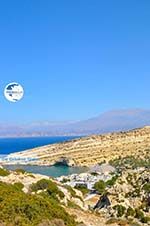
87	151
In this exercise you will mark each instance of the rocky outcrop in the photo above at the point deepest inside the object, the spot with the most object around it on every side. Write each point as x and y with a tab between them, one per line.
103	202
64	161
25	178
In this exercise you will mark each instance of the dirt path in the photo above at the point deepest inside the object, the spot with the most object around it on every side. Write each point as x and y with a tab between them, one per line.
87	218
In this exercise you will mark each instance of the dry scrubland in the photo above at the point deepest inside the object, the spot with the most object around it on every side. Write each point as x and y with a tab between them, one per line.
94	149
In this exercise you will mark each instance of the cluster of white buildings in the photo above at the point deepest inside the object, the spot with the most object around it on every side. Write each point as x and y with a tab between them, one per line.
88	180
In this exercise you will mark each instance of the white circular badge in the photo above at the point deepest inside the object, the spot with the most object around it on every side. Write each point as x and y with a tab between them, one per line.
13	92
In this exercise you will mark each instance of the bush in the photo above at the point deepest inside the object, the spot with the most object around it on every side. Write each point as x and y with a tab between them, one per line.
40	185
31	175
130	212
120	210
139	214
18	186
65	180
83	189
49	186
18	208
94	174
111	182
54	191
71	190
72	205
100	186
146	187
20	171
145	220
4	172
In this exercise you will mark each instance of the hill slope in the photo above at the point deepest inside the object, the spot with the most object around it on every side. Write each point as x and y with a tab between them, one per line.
94	149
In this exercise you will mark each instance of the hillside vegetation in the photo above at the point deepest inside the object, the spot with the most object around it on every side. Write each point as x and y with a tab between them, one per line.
19	208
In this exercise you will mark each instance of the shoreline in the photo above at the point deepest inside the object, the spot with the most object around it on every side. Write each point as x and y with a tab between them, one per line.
54	171
86	151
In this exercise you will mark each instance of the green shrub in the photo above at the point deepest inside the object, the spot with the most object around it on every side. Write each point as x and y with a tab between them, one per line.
71	190
65	180
18	186
83	189
18	208
145	220
120	210
139	214
130	212
54	191
40	185
20	171
73	205
111	182
4	172
100	186
50	187
146	187
31	175
94	174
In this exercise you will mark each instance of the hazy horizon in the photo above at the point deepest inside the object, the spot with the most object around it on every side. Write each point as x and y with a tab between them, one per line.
62	122
111	121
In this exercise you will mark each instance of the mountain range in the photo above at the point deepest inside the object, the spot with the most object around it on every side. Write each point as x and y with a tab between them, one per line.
111	121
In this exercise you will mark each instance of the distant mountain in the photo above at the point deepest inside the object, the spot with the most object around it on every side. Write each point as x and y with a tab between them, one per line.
117	120
112	121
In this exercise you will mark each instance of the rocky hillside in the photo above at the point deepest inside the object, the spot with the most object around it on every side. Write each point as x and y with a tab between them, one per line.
91	150
36	200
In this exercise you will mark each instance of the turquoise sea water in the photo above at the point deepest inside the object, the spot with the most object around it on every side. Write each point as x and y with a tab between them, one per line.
10	145
53	171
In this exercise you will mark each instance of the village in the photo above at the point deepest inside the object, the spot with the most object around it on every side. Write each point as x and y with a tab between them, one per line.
88	179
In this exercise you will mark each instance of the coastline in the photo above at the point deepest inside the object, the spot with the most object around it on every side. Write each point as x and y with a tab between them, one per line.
53	171
86	151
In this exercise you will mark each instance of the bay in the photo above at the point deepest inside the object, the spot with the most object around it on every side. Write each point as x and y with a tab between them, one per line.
10	145
53	171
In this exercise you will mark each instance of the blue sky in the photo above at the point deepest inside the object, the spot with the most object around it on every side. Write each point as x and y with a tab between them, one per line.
75	59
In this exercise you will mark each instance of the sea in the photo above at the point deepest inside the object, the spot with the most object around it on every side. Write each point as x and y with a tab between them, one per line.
10	145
